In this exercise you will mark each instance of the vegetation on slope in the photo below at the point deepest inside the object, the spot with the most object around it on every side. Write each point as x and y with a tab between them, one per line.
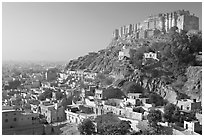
176	53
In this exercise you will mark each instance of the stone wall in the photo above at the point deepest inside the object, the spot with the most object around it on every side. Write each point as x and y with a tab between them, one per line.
28	130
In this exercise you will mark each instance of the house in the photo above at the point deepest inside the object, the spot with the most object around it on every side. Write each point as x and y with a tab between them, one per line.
98	94
134	98
52	112
125	52
90	101
134	95
150	55
76	115
193	126
188	105
126	112
27	85
199	117
35	108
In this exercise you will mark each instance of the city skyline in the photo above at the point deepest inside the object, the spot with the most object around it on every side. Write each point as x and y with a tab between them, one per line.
64	31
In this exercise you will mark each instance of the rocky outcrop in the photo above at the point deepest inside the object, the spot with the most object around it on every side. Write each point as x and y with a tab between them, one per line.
193	85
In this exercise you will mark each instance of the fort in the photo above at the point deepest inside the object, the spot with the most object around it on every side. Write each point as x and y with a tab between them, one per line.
160	23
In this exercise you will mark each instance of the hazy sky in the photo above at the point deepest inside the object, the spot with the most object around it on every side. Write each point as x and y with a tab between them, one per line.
64	31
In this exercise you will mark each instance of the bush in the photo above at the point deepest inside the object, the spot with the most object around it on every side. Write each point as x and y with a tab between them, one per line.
87	127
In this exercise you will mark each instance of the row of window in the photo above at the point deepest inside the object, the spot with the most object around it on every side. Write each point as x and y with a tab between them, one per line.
7	114
15	119
58	118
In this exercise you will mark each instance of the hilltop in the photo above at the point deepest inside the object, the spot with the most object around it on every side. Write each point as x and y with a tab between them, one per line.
177	54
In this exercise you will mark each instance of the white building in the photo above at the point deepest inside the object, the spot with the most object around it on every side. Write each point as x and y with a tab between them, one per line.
125	52
151	55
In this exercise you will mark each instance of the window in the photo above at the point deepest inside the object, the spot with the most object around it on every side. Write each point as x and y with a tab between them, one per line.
14	119
186	126
6	120
6	115
14	114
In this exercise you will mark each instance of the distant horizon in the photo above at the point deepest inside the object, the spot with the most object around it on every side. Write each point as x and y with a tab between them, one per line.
63	31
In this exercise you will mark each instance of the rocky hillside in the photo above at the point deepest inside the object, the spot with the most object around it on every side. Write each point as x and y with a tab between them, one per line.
176	51
193	85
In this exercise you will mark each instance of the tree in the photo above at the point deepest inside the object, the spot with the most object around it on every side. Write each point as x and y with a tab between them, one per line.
119	128
169	111
111	92
110	124
87	127
124	127
104	120
137	56
132	87
153	118
156	99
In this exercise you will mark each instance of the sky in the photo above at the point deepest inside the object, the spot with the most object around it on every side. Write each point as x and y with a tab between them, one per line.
63	31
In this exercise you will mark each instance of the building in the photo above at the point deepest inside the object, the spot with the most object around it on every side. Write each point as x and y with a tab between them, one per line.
51	74
125	52
188	105
116	33
90	101
76	115
126	112
134	95
13	118
98	94
134	99
52	112
150	55
193	126
36	84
